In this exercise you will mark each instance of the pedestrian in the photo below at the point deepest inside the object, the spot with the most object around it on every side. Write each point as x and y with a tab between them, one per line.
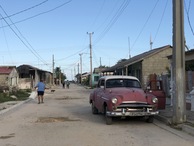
63	84
41	87
68	83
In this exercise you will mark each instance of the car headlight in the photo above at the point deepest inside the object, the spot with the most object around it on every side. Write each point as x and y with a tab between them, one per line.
155	100
114	100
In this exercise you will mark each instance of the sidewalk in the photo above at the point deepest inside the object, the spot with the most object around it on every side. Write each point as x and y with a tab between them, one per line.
166	117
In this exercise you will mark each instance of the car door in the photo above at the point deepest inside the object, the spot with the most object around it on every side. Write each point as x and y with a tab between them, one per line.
99	94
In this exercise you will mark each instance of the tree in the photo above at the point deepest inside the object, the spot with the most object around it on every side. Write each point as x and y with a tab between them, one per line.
122	60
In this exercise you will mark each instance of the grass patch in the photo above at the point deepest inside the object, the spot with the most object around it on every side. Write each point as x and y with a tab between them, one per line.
20	96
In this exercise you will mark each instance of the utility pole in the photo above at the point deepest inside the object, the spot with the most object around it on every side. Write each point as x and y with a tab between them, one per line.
74	74
78	72
53	64
90	34
129	48
80	68
60	75
151	43
178	64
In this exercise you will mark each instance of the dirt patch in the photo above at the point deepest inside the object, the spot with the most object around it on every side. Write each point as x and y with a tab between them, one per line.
67	98
55	119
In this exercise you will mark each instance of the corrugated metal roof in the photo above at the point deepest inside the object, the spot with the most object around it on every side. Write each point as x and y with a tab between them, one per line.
6	69
136	58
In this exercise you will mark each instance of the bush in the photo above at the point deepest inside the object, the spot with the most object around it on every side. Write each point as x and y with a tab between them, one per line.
20	94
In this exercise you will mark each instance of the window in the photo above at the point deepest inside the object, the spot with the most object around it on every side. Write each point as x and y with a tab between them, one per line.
112	83
100	83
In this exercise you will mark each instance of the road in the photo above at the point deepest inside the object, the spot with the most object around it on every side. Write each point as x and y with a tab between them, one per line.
65	119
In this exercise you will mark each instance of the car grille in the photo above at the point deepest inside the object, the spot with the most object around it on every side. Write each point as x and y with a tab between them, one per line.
134	107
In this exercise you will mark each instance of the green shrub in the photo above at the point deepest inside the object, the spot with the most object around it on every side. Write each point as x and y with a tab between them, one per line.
20	94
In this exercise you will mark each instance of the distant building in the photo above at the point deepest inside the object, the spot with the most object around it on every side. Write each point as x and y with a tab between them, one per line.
30	76
8	77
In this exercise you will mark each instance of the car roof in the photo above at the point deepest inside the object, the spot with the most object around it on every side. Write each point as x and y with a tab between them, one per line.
118	77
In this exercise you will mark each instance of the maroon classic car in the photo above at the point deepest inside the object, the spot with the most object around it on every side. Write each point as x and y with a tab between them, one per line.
122	96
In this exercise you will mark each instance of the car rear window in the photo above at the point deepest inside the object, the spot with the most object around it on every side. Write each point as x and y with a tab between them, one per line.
112	83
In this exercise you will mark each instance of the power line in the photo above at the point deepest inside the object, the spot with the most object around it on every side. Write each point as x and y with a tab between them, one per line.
24	10
114	19
31	50
161	20
188	17
59	6
145	23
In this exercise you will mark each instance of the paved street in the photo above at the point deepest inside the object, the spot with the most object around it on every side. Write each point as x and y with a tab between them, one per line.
65	119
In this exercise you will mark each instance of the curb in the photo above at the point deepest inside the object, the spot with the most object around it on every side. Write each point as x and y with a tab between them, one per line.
163	119
188	129
184	127
14	106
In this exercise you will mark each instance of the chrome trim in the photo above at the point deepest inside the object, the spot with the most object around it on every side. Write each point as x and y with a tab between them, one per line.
132	114
104	98
134	102
134	106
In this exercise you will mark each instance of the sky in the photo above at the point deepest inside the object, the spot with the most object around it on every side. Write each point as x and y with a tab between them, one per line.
38	32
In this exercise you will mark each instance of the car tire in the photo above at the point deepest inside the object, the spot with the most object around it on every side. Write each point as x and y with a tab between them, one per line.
108	118
94	109
150	119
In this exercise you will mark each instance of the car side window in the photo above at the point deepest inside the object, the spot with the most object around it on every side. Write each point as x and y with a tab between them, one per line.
100	83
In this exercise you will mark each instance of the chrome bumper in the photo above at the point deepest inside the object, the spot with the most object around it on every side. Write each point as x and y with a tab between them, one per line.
132	114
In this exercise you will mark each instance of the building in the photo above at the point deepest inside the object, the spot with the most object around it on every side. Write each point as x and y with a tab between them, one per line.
154	61
30	76
8	78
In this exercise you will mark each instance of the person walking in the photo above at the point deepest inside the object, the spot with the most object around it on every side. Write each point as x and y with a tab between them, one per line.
63	84
68	83
41	87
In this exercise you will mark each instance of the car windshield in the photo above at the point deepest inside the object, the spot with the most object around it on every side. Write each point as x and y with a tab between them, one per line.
112	83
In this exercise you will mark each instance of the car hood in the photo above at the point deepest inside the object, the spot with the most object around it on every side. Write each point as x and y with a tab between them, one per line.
129	94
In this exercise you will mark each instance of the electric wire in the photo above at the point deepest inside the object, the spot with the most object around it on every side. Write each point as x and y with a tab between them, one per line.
28	18
145	23
113	20
188	17
76	53
99	12
32	7
161	20
31	50
7	44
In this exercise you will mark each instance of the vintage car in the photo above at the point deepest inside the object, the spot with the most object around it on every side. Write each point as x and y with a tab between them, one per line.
122	96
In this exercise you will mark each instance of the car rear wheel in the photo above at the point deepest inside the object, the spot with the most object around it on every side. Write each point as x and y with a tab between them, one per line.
94	109
108	118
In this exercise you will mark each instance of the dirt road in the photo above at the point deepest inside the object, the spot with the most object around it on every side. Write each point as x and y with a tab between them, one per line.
65	119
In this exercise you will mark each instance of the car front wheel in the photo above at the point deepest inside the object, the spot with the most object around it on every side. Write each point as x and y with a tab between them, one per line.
94	109
108	118
150	119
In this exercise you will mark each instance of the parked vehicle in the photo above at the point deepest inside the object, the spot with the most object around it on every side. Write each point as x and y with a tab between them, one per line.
155	87
122	96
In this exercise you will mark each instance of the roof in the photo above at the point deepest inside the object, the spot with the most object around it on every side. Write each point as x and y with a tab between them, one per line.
189	52
99	69
6	69
137	58
118	77
29	67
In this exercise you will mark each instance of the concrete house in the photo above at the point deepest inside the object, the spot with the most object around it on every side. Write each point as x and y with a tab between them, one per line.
29	76
154	61
8	77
